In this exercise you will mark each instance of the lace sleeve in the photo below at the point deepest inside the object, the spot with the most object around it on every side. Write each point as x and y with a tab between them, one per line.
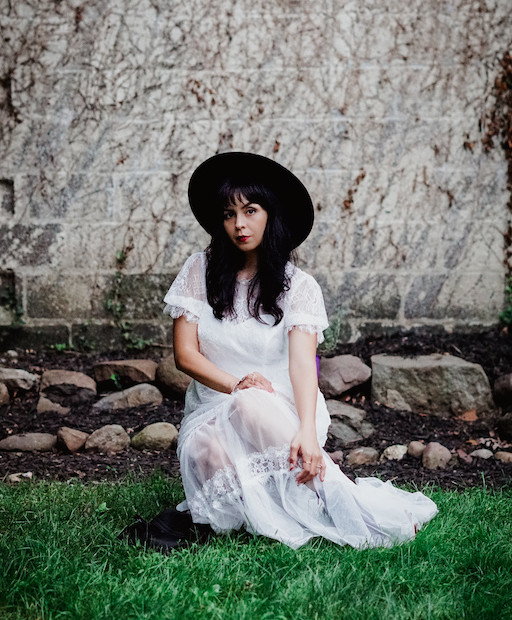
187	294
305	306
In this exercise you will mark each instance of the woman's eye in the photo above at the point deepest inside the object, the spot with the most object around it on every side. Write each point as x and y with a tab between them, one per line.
227	214
251	211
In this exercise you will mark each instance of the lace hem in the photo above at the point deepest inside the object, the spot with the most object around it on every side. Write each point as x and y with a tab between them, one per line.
176	311
310	329
224	486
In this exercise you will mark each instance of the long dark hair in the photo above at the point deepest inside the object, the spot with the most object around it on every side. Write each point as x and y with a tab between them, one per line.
224	259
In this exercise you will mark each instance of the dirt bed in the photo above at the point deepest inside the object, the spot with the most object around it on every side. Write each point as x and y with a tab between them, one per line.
492	349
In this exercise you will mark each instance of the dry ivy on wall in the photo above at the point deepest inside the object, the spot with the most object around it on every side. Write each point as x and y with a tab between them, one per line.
499	125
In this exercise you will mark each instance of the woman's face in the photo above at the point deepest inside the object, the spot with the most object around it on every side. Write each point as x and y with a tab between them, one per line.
244	223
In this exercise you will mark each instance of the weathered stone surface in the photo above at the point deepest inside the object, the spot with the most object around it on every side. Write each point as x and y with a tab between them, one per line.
373	105
336	456
142	394
4	395
503	389
109	438
504	457
394	453
19	477
439	384
435	456
45	404
481	453
29	442
339	374
170	378
348	423
65	388
17	379
136	371
157	436
415	449
362	456
71	439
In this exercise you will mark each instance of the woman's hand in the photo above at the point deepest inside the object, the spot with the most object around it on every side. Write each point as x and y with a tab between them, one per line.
256	380
305	444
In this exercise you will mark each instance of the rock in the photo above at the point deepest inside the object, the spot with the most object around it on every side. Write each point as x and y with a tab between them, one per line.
339	374
4	395
504	457
17	379
68	387
45	404
504	426
348	423
28	442
464	456
71	439
170	378
394	453
503	390
109	438
435	456
19	477
157	436
141	394
415	449
134	371
362	456
482	453
13	355
336	456
443	385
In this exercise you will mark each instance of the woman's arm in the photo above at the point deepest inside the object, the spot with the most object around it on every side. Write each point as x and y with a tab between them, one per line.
189	360
303	377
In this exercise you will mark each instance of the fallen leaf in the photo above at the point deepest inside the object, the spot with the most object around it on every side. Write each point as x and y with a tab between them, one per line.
468	416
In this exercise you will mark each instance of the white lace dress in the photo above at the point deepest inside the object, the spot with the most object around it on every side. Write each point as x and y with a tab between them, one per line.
234	448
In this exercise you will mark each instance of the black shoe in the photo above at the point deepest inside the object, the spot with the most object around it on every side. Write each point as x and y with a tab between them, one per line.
170	529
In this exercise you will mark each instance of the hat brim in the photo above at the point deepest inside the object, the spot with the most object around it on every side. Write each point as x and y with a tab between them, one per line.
297	207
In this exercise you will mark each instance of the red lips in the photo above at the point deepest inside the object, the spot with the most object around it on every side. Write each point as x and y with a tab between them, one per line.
242	238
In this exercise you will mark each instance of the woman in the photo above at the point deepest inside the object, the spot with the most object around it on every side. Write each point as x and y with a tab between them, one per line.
246	326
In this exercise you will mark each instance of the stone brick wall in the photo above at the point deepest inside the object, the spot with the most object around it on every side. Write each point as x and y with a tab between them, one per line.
107	107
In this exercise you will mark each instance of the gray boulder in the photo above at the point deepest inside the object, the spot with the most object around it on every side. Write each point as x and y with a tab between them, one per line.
339	374
29	442
362	456
481	453
157	436
142	394
435	456
110	438
442	385
71	439
45	404
4	395
394	453
67	387
504	457
171	379
134	371
17	379
415	449
348	423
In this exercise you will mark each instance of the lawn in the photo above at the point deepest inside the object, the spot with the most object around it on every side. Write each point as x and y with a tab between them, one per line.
61	559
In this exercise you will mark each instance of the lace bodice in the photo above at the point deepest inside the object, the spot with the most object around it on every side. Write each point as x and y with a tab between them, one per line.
302	304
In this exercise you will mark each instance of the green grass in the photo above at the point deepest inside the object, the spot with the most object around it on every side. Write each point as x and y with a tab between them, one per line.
60	558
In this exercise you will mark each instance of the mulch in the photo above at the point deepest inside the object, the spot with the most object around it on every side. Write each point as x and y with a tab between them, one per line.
491	348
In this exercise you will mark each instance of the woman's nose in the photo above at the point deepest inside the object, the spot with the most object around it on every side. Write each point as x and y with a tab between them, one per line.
240	220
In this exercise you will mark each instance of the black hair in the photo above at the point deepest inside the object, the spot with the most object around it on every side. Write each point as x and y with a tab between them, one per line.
224	259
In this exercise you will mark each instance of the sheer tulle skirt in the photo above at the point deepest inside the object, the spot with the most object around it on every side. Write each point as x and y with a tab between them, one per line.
236	473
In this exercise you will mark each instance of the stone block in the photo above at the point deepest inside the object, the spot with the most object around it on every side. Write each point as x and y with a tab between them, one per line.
442	385
477	296
30	245
33	337
60	296
105	336
6	197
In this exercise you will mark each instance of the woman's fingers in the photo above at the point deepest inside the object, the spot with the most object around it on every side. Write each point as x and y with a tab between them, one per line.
294	451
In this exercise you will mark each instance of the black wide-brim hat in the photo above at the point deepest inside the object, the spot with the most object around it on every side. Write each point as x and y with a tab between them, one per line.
248	169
